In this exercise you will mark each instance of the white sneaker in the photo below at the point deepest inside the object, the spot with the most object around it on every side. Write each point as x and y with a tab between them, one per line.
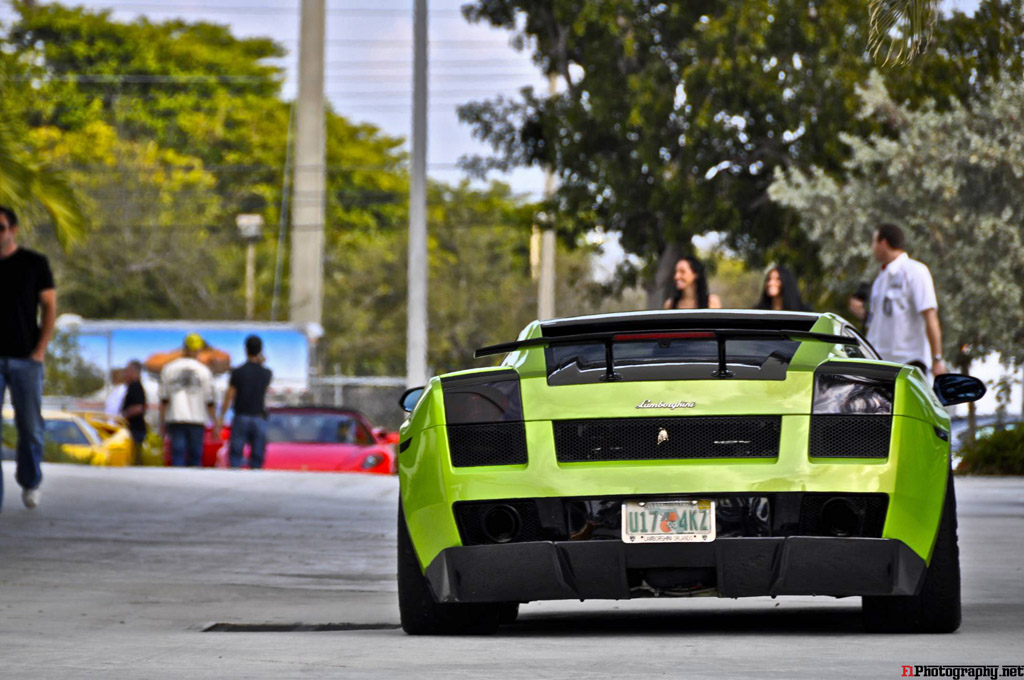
30	497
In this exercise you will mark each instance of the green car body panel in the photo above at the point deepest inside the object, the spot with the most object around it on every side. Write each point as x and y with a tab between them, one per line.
913	476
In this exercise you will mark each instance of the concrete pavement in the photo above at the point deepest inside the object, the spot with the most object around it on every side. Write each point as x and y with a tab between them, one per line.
119	571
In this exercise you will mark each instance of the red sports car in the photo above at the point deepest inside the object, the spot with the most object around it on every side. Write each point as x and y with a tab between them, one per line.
326	439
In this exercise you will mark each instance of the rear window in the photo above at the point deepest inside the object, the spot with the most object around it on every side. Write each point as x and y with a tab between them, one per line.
676	359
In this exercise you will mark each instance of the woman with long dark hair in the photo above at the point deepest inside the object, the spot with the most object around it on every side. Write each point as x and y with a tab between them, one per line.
691	287
780	291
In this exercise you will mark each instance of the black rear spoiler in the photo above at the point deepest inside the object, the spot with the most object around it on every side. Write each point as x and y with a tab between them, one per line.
720	335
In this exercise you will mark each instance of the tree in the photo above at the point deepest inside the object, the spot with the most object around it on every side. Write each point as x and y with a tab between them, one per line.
67	372
952	180
674	116
480	286
26	186
171	129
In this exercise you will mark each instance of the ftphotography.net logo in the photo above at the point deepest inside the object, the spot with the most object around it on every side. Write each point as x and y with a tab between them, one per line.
957	672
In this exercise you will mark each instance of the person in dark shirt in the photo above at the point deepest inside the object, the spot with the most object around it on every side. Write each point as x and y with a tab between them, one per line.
133	408
247	391
27	288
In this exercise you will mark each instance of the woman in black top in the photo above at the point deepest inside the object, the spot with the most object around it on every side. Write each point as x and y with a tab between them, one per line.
691	287
780	292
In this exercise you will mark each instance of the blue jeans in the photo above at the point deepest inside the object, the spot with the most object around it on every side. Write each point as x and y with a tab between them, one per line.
25	379
186	444
251	430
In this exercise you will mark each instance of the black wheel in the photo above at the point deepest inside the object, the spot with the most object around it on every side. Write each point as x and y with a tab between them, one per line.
936	608
421	614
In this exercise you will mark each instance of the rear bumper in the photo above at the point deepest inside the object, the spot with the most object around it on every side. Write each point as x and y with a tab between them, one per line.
734	567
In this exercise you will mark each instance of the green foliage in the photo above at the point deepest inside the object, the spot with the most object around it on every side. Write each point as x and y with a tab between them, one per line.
951	179
1000	453
67	372
30	188
674	116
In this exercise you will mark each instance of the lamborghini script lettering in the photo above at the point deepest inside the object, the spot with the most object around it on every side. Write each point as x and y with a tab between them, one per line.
647	403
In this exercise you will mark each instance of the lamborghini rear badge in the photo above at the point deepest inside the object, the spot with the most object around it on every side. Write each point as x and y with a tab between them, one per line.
672	406
662	436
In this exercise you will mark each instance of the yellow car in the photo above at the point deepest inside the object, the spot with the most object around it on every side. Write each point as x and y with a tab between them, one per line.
86	438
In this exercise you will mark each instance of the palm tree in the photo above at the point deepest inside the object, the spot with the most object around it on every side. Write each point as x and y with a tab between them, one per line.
900	29
24	186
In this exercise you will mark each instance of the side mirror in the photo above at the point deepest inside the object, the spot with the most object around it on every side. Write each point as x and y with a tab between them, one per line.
384	437
410	397
956	388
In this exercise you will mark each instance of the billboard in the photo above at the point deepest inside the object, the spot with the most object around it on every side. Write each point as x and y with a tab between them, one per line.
110	345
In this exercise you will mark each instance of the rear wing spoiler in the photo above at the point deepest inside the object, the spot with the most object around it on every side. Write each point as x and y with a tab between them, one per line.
720	335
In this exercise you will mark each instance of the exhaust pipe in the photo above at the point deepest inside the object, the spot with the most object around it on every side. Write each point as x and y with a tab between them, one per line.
501	523
841	518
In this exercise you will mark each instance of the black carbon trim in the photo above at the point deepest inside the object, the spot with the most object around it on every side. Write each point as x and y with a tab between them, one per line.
681	438
454	382
873	371
737	515
491	397
402	446
849	436
487	444
739	567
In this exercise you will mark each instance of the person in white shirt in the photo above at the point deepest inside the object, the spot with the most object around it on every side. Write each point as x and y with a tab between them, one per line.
186	403
903	317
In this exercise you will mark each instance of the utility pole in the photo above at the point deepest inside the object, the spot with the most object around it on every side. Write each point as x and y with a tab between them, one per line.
546	284
416	334
310	170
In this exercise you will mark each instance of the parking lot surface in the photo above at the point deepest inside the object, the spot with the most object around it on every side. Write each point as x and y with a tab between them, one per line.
127	572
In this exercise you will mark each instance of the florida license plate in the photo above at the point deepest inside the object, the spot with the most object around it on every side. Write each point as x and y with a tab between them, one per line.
668	521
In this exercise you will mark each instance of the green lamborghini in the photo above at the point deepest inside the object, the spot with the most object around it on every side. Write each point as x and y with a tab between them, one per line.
679	453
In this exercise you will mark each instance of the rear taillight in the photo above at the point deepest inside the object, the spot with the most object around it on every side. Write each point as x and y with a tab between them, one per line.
484	412
852	410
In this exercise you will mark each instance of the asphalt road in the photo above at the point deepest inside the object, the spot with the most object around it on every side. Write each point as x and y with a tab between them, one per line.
120	571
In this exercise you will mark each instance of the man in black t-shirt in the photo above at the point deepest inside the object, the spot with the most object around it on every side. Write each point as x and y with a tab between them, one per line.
26	289
133	408
247	391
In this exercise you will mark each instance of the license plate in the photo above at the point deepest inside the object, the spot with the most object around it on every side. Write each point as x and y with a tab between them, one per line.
668	521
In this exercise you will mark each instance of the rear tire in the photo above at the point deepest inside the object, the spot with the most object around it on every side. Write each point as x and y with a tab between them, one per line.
936	608
420	613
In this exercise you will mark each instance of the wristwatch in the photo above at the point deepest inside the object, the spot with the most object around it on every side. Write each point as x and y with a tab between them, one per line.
936	357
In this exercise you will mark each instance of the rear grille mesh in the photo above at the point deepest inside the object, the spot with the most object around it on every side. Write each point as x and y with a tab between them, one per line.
487	444
687	437
850	436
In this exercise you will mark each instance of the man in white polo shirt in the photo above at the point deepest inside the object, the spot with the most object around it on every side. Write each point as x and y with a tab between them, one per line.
903	317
